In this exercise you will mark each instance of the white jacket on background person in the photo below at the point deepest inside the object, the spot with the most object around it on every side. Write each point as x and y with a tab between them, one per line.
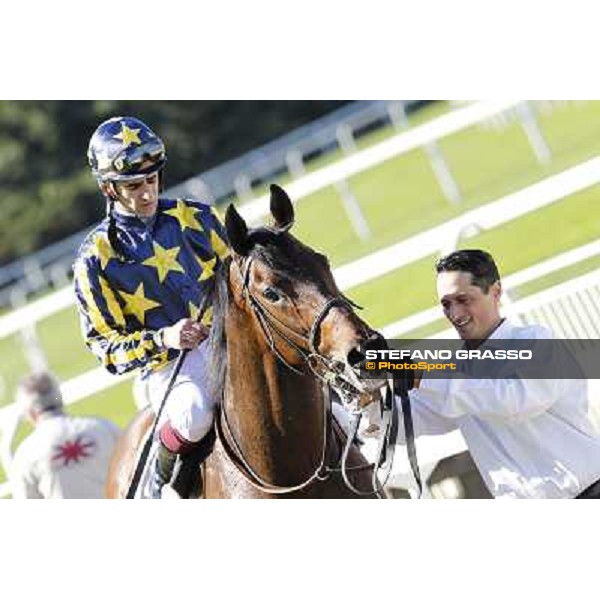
530	438
65	456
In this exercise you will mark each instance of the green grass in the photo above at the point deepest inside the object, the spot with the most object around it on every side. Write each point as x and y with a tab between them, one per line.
401	196
557	228
559	276
424	114
62	341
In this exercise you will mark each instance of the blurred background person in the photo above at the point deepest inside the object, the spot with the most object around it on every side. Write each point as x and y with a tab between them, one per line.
65	456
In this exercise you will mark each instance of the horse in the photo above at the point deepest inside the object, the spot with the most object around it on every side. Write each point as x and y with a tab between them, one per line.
280	329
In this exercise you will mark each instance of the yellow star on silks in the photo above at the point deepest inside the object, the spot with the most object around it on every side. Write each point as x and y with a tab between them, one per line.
193	310
208	268
164	261
207	318
185	215
128	136
218	245
104	251
137	304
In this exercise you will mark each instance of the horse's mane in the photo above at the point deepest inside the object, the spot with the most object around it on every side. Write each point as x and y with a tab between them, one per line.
217	341
284	255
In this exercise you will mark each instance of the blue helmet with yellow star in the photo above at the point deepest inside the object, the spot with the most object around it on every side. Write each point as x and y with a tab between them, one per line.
124	148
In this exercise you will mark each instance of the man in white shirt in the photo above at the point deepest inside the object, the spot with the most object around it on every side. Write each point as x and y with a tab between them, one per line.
65	456
530	438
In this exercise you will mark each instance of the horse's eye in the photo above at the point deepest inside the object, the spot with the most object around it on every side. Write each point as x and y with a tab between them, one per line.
271	295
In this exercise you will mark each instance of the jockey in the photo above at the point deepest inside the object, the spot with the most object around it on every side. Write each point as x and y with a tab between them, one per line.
140	279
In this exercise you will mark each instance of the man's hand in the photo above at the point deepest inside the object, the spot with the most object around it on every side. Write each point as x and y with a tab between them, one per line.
186	334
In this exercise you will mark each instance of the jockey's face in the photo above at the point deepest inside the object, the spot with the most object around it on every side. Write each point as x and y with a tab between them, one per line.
139	196
473	313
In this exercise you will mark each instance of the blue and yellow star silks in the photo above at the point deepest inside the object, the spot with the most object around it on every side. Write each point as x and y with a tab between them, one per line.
186	215
161	277
164	261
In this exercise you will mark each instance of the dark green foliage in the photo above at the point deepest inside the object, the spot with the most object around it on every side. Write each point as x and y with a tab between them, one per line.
46	190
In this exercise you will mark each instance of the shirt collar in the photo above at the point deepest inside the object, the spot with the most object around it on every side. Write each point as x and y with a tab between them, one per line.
127	220
502	332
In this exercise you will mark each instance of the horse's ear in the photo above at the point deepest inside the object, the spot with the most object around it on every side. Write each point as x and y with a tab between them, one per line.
281	208
237	231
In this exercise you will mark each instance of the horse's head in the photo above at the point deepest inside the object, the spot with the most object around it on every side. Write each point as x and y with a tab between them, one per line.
288	288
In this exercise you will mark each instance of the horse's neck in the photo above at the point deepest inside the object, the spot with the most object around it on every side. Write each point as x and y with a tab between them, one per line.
275	414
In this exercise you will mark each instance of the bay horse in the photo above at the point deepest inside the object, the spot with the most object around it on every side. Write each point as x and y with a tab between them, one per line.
280	327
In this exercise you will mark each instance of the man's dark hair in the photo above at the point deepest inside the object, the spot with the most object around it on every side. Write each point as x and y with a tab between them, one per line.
479	263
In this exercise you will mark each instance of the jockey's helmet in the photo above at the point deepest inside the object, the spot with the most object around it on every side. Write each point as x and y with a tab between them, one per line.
125	148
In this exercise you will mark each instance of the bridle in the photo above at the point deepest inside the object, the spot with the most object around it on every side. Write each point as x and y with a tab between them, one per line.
270	324
325	369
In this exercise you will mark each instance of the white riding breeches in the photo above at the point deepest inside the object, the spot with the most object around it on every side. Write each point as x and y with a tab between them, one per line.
189	407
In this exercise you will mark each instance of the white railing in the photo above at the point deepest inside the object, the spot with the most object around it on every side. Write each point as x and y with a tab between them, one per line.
365	159
537	195
510	282
570	309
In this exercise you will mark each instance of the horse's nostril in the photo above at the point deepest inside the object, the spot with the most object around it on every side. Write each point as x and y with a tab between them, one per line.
375	342
355	357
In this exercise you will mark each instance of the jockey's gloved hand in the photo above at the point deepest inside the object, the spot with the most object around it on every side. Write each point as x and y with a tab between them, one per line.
186	334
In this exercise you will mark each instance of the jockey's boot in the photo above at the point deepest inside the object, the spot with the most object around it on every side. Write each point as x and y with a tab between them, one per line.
163	470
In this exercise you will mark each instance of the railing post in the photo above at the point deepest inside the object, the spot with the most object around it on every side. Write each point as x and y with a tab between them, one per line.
353	210
32	348
355	214
295	163
243	187
439	164
529	122
345	138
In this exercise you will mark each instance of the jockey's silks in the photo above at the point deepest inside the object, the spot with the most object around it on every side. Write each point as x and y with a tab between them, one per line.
159	276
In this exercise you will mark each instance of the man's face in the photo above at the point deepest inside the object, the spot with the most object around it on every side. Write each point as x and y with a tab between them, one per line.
473	313
139	196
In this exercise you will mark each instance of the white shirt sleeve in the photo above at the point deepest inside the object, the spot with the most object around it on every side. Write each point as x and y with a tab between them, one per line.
426	420
507	400
515	398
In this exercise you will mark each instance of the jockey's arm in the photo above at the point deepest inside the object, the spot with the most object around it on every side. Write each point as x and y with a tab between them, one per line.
103	323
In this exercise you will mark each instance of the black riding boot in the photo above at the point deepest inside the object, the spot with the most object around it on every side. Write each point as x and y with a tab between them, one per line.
163	470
